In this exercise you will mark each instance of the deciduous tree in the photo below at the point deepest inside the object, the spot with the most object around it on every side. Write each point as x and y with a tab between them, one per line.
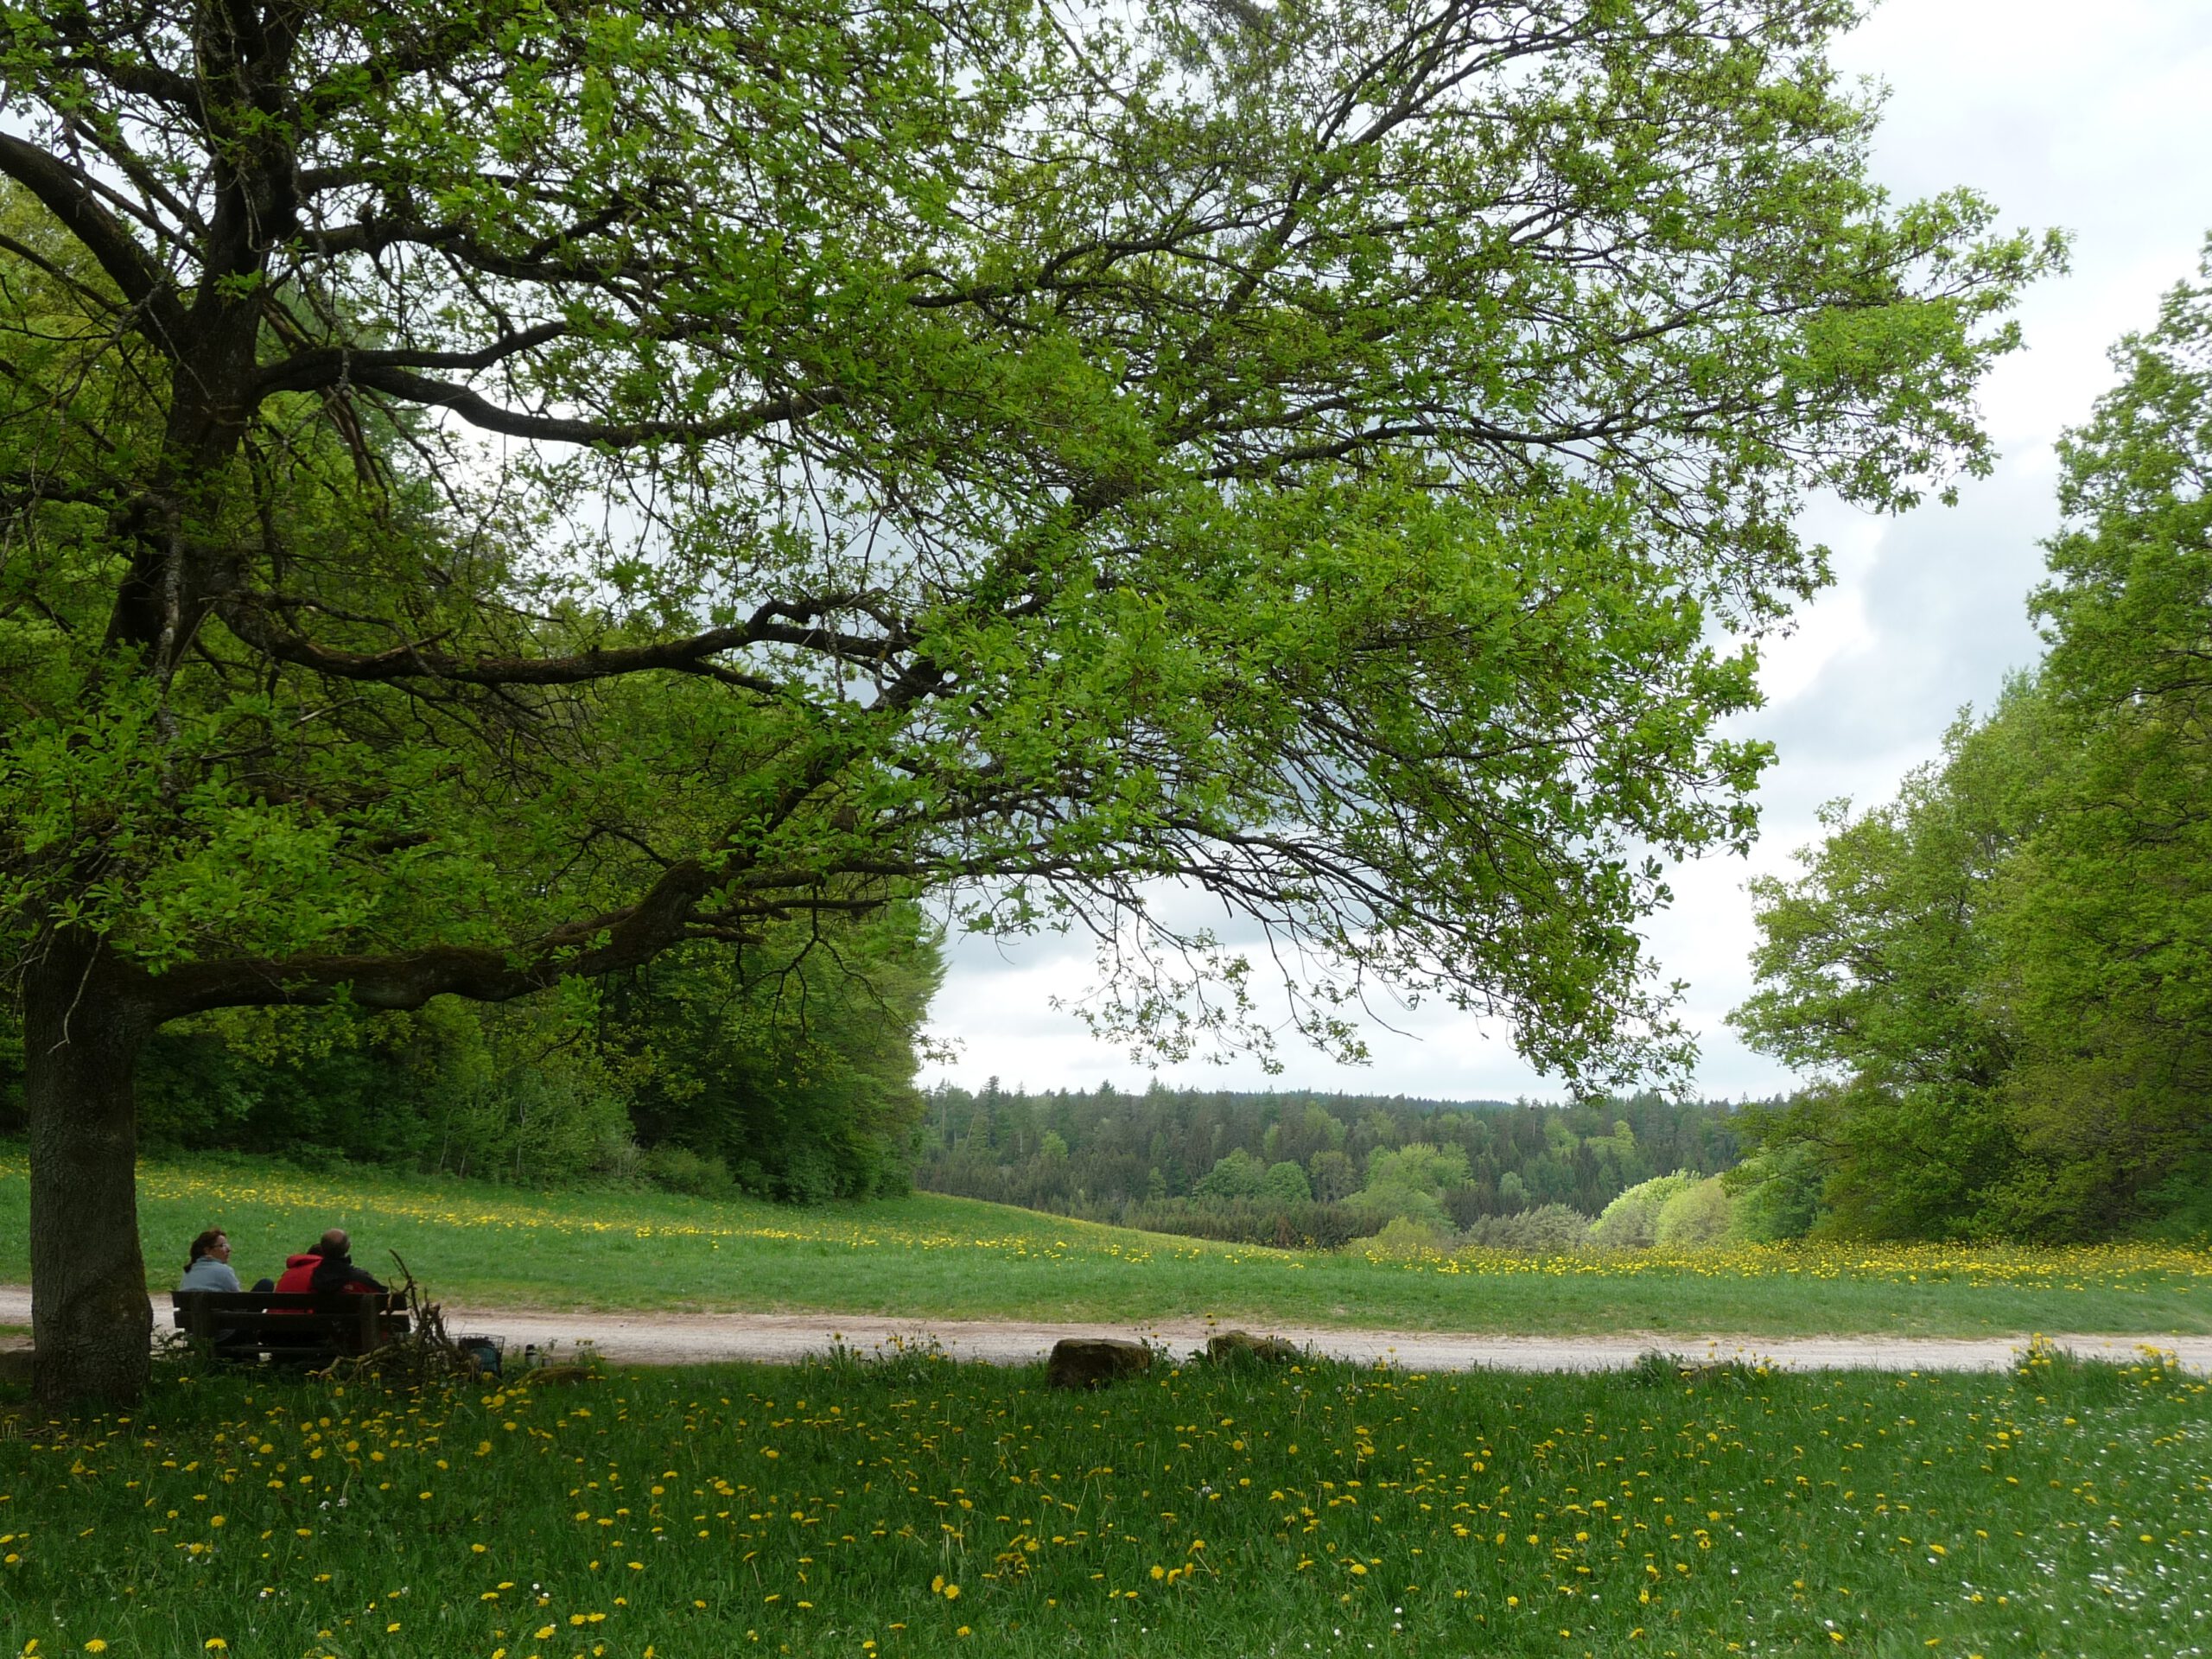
2107	926
498	489
1875	971
2006	975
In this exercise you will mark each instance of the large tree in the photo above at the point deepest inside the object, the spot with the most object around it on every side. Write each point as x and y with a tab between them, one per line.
2006	975
2107	923
499	488
1876	968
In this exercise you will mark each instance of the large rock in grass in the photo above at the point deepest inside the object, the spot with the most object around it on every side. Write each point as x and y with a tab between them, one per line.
1093	1362
1229	1346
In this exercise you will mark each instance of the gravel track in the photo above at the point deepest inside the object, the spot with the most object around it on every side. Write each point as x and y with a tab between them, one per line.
647	1338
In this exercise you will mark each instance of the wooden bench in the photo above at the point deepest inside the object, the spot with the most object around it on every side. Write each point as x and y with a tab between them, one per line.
293	1328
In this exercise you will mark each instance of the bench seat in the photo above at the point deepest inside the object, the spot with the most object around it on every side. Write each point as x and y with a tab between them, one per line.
304	1328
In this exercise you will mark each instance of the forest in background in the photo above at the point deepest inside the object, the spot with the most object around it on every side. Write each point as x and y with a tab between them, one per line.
1300	1167
784	1071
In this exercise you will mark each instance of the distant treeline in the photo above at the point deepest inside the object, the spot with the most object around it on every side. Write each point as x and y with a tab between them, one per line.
1297	1166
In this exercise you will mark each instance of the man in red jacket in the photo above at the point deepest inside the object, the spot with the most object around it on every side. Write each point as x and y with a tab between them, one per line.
327	1265
299	1270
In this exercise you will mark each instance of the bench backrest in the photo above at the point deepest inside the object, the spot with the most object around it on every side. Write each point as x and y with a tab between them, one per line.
363	1318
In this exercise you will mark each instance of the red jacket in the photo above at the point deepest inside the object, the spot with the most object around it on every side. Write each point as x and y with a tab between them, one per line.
298	1271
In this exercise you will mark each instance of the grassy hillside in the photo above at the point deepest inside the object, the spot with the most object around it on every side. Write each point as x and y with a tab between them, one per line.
931	1256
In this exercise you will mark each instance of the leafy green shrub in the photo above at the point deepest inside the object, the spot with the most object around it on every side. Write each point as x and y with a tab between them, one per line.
1632	1220
812	1172
2181	1206
1403	1237
1240	1175
1696	1218
1775	1194
1548	1229
1409	1181
679	1169
1286	1180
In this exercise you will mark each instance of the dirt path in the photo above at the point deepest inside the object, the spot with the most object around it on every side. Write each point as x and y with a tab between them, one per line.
697	1338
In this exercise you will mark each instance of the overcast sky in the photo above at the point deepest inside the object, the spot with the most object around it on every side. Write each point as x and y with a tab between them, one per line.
2097	120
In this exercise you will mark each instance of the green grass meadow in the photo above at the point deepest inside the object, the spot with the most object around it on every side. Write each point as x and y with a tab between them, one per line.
914	1507
928	1256
881	1506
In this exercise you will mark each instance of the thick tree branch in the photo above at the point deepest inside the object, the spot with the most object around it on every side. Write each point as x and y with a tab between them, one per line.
247	615
481	411
618	940
323	366
67	194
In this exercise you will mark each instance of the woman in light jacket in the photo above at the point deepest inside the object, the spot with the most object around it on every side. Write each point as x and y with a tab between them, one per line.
210	1266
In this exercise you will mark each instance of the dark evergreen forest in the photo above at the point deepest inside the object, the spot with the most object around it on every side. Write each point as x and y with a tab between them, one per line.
1295	1166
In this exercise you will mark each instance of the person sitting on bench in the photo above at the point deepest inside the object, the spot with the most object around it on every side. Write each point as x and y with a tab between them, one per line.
337	1271
299	1270
210	1266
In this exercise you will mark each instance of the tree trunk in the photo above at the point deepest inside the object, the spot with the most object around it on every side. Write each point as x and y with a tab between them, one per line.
91	1320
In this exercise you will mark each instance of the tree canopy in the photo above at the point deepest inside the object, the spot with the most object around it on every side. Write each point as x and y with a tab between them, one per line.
2006	975
500	490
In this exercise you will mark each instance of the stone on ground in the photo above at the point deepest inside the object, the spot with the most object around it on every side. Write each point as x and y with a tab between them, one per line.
1243	1344
1093	1362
